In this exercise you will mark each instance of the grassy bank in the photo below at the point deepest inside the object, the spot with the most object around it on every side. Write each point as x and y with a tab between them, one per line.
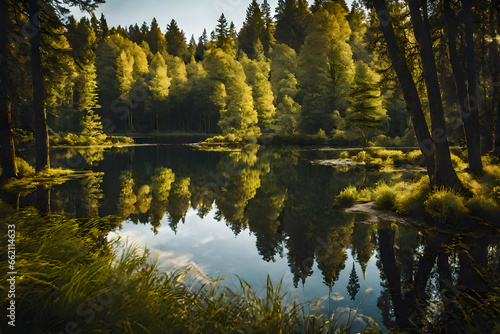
478	200
70	278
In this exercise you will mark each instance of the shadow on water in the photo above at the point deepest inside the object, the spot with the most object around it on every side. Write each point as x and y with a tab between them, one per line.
432	281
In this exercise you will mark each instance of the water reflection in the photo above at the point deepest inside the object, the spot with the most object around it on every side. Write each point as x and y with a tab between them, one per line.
428	279
438	281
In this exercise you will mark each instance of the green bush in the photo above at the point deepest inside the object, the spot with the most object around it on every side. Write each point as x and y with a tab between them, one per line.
384	196
479	204
411	196
347	197
362	156
24	168
445	204
414	157
344	155
384	141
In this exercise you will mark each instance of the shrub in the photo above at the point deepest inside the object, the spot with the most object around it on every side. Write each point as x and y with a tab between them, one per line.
407	204
446	205
384	196
362	156
415	157
385	154
411	196
344	155
479	204
347	197
215	139
24	168
384	141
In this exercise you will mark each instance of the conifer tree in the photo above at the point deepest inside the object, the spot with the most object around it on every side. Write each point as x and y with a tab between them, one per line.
155	39
325	70
202	44
176	41
221	34
192	48
366	116
252	30
267	35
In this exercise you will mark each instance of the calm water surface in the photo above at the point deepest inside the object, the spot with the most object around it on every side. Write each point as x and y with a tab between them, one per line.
266	211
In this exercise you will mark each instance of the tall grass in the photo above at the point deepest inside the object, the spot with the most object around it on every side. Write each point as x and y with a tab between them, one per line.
384	196
69	278
446	204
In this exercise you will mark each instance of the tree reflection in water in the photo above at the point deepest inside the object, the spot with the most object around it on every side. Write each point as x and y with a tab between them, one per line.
432	281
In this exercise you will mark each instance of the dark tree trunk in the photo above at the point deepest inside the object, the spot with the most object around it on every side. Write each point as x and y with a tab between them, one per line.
471	131
40	116
8	152
410	93
496	79
445	173
402	306
475	163
9	167
43	199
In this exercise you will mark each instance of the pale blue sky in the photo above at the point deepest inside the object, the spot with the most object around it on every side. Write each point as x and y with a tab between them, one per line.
191	16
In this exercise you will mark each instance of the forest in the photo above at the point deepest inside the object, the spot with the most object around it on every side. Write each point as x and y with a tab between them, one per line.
386	73
319	142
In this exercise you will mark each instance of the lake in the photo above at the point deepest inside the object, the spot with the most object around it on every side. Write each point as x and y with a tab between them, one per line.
262	211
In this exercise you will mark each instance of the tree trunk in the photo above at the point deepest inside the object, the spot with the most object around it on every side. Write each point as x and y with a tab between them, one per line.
43	199
475	163
445	174
40	116
496	79
8	152
410	93
9	167
402	308
471	132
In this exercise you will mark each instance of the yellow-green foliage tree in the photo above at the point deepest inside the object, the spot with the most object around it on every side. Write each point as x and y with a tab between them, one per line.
159	85
239	119
325	69
284	86
257	74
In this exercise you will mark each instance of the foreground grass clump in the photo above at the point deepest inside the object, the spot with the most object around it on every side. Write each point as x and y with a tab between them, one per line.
351	195
384	196
347	197
70	277
445	204
411	196
24	168
390	157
